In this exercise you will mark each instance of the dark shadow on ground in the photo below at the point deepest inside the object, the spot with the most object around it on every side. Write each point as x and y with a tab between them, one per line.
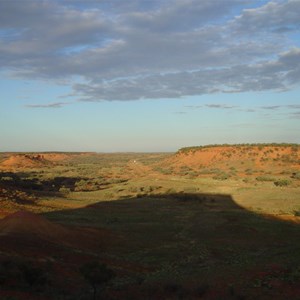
190	238
184	246
22	188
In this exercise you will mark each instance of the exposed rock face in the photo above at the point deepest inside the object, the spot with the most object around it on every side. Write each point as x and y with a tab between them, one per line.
252	155
25	161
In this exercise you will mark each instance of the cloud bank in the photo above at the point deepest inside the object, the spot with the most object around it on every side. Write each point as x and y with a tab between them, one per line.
152	49
48	105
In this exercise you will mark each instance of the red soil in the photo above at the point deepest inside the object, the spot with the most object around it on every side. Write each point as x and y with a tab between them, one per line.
29	233
258	156
55	157
27	223
25	161
36	160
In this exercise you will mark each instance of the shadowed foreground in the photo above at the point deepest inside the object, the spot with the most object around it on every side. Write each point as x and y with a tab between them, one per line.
170	246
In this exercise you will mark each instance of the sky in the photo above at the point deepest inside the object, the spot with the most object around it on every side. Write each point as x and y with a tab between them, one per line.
148	75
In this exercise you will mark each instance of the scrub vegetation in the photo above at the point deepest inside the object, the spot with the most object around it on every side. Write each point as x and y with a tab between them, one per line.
213	222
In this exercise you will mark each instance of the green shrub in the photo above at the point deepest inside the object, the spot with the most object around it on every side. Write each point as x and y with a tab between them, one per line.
282	182
109	195
296	175
64	190
171	191
297	213
85	185
133	189
7	178
97	275
150	188
190	189
33	275
249	171
287	172
205	171
264	178
163	171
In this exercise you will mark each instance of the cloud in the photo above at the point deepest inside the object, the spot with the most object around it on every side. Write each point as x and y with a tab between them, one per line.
49	105
269	75
294	106
220	106
180	16
180	112
295	115
152	49
275	17
271	107
193	106
276	107
250	110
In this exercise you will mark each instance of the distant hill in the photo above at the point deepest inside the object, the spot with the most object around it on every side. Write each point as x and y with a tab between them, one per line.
25	161
35	160
244	157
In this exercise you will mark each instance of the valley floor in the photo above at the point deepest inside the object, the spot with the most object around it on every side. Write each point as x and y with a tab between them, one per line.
165	235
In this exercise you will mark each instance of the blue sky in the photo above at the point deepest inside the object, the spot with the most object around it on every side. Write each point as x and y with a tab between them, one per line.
151	75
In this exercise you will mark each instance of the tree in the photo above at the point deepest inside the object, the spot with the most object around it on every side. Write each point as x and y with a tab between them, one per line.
32	275
97	275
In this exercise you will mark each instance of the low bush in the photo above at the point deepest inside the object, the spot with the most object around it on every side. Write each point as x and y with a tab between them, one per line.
64	190
97	275
296	175
190	189
249	171
297	213
33	275
171	191
264	178
282	182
